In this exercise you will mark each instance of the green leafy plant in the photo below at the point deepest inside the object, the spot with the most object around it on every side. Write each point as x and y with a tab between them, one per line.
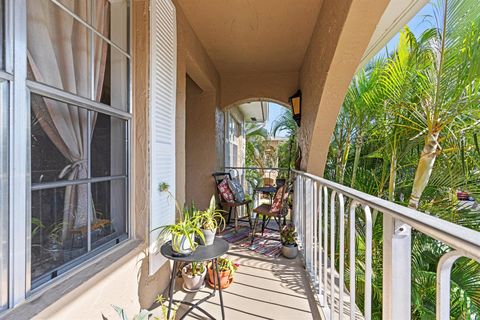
226	264
195	268
145	314
288	235
186	226
211	218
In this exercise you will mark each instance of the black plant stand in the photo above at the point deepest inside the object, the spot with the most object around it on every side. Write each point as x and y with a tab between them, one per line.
202	253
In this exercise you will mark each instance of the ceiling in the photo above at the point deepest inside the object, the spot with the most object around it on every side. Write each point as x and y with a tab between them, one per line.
253	36
255	111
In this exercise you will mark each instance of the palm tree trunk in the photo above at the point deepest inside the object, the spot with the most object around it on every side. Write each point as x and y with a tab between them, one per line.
358	151
393	175
424	169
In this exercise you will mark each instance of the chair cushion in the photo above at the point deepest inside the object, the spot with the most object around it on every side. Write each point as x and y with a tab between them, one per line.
277	200
225	191
237	190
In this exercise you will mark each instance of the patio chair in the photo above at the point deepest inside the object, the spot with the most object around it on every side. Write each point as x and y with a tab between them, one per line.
231	206
278	210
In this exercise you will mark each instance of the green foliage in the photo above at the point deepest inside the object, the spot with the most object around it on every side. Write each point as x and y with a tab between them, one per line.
186	226
227	264
428	87
211	218
288	235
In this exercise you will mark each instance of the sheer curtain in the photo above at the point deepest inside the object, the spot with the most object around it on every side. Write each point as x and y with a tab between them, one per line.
59	55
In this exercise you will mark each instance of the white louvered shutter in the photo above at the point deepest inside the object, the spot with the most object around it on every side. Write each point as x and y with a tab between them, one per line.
163	74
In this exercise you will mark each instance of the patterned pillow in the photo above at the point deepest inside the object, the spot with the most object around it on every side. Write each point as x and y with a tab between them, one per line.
225	191
277	200
237	190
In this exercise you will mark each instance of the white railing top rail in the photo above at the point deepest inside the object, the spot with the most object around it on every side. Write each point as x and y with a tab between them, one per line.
454	235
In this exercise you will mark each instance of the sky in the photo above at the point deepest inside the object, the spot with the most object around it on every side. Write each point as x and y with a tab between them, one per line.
419	23
275	111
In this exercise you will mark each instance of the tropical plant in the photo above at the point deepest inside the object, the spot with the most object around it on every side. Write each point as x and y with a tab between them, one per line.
212	218
195	268
185	228
145	314
419	147
288	235
227	264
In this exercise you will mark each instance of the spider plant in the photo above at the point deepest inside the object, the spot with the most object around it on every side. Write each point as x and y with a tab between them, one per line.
184	231
212	218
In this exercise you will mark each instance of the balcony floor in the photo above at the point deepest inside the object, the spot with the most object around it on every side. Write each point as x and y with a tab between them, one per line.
264	288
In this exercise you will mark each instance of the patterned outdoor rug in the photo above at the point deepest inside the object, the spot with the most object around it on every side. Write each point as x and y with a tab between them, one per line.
241	238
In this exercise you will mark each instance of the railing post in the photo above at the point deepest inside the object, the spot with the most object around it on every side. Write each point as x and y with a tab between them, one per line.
397	260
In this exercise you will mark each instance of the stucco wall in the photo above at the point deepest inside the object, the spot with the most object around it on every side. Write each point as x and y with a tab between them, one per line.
201	99
340	37
274	86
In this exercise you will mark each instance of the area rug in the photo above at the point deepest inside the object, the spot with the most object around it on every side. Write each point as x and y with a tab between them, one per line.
241	238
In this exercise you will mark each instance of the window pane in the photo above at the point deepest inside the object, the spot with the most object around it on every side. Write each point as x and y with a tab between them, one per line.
59	229
4	134
108	146
112	20
109	200
112	80
59	140
58	47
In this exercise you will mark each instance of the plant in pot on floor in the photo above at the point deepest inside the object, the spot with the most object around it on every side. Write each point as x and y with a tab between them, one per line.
193	275
288	237
210	221
226	270
183	232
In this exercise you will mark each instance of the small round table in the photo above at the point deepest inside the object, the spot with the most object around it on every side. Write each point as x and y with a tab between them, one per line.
202	253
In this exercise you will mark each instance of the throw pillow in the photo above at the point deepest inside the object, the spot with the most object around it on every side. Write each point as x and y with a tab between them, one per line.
277	200
225	191
237	190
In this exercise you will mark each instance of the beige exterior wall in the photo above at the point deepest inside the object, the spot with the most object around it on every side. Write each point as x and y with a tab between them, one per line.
271	86
342	33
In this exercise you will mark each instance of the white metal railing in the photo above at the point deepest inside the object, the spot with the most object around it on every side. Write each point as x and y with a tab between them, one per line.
319	205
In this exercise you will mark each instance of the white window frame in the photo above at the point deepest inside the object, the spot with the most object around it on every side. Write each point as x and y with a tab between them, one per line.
19	275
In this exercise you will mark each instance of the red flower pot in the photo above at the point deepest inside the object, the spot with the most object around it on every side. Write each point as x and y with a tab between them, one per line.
226	279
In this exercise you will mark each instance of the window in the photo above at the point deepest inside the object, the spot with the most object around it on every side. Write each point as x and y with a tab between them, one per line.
64	137
79	131
78	169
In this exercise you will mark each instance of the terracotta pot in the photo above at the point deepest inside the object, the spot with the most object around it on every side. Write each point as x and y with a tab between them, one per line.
225	278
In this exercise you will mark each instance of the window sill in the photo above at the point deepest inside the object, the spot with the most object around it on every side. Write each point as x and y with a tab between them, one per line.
46	296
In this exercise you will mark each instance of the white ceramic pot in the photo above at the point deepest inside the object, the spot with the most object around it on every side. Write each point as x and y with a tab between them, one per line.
181	244
209	236
193	283
290	251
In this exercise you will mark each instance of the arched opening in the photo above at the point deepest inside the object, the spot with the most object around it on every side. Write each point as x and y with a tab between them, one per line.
260	141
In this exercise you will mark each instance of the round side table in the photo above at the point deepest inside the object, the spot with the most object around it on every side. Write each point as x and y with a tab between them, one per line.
202	253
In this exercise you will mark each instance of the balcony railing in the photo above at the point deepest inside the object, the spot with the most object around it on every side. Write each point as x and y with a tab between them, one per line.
324	211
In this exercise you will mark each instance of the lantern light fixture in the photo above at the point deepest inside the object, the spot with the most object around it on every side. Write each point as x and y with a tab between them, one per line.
296	104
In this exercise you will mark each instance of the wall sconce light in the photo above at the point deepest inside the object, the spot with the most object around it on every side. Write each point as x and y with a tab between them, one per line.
296	104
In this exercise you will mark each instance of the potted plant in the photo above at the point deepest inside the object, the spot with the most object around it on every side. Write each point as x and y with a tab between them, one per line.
226	269
193	275
183	232
209	221
145	314
288	237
